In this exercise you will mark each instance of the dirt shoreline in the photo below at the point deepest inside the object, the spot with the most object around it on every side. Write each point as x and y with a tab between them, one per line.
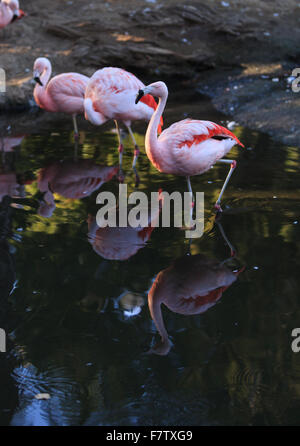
239	53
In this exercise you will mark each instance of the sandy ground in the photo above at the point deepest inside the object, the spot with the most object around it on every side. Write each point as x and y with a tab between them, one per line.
229	50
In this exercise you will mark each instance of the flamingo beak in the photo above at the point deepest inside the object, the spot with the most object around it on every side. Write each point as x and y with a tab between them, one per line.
15	17
37	79
18	14
139	96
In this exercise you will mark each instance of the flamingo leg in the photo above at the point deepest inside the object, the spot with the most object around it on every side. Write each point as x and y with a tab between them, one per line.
136	154
232	168
121	146
192	198
136	147
120	150
76	134
227	241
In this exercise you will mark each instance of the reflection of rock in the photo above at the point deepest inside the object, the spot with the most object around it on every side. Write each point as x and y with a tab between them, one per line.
93	302
191	285
71	179
130	303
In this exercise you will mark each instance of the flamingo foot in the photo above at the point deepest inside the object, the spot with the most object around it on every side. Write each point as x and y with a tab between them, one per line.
218	207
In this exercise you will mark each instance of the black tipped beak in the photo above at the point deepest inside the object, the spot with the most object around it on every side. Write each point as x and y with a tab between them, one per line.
139	96
38	80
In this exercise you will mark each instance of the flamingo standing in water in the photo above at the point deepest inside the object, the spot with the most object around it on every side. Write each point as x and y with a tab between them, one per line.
9	12
64	93
110	94
189	147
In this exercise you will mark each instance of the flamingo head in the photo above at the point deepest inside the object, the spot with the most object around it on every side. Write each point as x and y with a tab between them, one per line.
157	89
17	12
40	65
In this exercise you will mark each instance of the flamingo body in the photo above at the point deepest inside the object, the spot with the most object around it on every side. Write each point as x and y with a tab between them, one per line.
110	94
188	147
63	93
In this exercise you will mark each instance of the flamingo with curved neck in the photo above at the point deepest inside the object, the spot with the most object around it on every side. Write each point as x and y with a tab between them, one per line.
191	285
63	93
9	12
189	147
110	94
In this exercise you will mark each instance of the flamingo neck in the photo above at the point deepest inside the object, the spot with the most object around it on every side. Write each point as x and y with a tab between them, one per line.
151	140
40	93
45	76
6	13
155	299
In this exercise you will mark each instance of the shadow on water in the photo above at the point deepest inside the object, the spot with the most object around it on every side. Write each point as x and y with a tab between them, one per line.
74	302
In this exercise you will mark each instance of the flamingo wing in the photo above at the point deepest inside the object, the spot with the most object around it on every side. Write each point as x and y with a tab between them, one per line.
191	132
68	85
113	80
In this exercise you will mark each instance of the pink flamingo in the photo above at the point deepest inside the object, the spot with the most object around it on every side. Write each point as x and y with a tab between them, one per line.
191	285
64	93
120	243
71	179
9	12
188	147
110	94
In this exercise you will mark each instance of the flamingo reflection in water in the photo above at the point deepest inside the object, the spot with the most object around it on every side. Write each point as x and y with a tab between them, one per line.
191	285
121	243
71	179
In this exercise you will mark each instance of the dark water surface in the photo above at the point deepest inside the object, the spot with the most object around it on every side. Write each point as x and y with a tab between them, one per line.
78	318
